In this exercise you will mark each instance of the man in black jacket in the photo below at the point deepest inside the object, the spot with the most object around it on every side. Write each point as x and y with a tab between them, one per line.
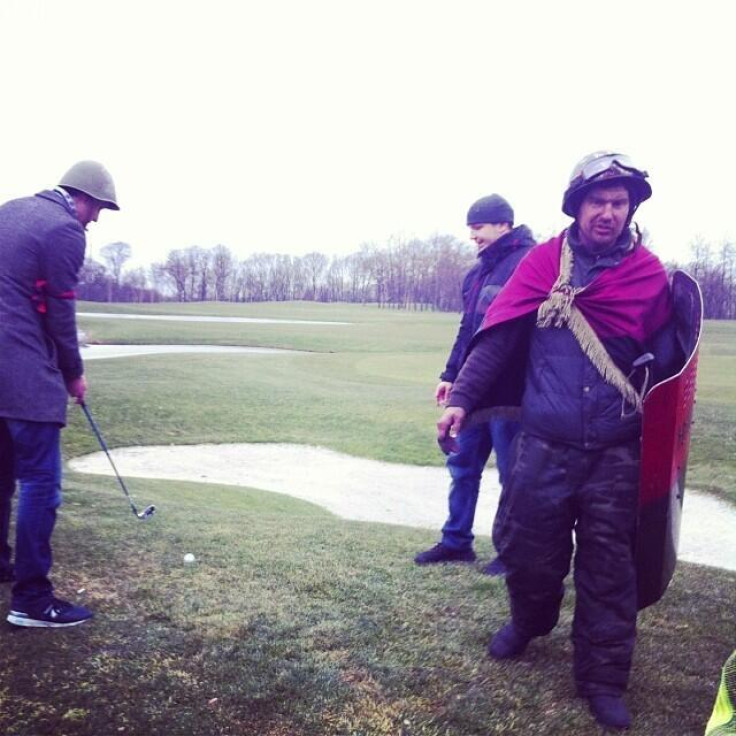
42	244
500	248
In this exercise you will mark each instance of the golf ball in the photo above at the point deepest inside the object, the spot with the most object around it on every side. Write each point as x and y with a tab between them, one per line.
189	557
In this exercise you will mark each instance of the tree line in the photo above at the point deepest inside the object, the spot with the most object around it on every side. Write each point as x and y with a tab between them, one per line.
416	274
407	274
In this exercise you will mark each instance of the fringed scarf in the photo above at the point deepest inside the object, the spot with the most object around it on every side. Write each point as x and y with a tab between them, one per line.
630	299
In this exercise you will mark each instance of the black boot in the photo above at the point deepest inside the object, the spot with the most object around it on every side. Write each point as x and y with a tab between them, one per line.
441	553
495	568
508	643
609	711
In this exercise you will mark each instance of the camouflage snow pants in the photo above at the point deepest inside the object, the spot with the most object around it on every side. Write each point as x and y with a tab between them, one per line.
556	494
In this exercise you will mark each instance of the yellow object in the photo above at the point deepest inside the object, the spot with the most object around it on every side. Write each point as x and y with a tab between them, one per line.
723	720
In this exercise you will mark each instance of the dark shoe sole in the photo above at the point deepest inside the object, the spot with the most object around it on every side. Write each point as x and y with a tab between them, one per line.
452	560
18	619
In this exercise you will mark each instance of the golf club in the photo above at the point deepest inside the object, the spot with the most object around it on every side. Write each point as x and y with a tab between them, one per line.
148	511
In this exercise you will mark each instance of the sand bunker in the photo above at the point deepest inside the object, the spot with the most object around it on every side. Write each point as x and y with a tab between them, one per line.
368	490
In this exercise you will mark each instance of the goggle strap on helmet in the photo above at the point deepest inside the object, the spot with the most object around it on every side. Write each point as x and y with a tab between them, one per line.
602	166
614	164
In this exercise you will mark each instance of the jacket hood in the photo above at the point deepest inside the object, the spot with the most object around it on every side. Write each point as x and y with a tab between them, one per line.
56	198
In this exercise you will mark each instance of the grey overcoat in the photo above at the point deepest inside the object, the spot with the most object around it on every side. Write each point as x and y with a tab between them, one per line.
41	252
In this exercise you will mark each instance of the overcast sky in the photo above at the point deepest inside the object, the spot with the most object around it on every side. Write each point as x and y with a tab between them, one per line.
292	126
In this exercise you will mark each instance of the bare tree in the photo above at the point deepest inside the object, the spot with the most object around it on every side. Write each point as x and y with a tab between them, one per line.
359	279
298	279
314	265
279	278
115	255
337	280
451	261
177	267
134	286
160	280
93	281
254	275
715	274
728	266
198	263
223	268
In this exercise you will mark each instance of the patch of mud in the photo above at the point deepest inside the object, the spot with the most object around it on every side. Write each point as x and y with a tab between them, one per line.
368	490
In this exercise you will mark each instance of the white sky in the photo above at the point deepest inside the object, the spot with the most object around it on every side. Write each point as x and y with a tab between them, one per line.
297	125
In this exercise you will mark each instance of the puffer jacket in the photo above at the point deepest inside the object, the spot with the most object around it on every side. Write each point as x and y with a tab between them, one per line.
563	397
42	248
481	284
566	399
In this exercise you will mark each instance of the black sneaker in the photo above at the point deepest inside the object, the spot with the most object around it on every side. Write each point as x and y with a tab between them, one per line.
55	615
440	553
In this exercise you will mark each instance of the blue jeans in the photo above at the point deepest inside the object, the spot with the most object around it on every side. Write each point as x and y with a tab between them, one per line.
37	460
466	468
7	488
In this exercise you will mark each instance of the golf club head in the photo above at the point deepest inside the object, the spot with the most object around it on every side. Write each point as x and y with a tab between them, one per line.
147	512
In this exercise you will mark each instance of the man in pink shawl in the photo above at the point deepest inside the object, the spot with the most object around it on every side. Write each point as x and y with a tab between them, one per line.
574	339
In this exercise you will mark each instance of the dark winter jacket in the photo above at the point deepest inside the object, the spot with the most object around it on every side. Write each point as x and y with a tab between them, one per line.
42	248
482	283
565	399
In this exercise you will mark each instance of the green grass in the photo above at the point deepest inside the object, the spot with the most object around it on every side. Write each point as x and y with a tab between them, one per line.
297	622
294	621
369	330
337	401
712	464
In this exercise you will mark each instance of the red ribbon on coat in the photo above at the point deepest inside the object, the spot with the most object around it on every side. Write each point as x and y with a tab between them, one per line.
40	294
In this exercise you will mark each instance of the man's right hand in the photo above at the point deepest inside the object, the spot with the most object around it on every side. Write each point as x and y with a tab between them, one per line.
77	388
442	392
448	427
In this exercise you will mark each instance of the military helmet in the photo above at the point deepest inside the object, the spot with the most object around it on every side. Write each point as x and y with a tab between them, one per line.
93	179
605	167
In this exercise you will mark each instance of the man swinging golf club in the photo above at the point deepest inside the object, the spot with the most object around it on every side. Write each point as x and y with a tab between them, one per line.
42	244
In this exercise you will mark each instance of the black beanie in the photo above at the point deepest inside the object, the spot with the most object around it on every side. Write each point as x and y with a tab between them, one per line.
491	209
